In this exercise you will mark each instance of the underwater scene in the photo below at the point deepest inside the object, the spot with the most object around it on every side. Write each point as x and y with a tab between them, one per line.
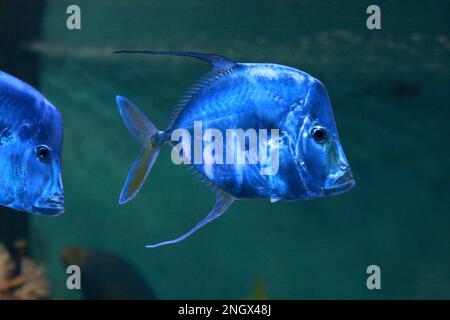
373	223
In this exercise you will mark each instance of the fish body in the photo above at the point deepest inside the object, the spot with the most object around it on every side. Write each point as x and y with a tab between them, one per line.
260	96
31	133
289	109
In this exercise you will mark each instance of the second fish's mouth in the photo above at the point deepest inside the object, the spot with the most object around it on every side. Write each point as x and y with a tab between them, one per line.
341	184
48	211
51	207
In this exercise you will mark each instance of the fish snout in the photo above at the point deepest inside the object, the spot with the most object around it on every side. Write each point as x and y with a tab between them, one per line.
340	182
51	206
57	199
345	176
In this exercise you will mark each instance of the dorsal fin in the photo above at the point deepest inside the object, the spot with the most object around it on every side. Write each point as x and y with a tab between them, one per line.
221	65
216	60
211	76
200	176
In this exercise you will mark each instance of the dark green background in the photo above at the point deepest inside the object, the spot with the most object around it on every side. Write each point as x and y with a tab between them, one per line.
390	93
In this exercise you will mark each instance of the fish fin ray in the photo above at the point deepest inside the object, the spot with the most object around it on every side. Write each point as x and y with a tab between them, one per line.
137	123
138	173
194	89
220	65
207	183
223	202
174	115
142	129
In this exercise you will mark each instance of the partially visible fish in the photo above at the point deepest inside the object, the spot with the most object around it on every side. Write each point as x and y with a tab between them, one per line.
31	138
248	96
107	276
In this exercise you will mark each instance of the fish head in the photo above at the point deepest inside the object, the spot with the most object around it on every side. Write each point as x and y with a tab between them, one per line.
322	164
34	151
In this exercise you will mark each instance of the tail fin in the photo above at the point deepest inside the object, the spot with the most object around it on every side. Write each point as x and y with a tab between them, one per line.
142	129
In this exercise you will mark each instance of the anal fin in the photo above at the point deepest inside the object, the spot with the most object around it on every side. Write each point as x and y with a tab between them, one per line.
223	201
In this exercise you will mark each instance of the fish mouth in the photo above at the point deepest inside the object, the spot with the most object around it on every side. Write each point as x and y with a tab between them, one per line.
341	184
51	207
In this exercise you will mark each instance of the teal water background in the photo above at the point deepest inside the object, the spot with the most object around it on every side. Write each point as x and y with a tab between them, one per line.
390	93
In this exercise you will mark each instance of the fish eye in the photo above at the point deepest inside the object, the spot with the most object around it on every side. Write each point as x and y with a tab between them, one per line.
319	134
43	153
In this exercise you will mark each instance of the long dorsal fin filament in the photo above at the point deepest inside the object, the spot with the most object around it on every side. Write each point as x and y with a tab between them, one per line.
216	60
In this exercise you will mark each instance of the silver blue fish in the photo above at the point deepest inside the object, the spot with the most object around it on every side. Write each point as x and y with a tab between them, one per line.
31	133
249	96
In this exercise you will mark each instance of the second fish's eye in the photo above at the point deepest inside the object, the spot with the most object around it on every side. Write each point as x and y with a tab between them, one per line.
43	153
319	133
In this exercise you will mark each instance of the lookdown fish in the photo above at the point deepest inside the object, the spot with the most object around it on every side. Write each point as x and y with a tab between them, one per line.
289	109
31	133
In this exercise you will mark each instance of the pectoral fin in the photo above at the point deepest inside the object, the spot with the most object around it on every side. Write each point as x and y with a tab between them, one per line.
223	201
